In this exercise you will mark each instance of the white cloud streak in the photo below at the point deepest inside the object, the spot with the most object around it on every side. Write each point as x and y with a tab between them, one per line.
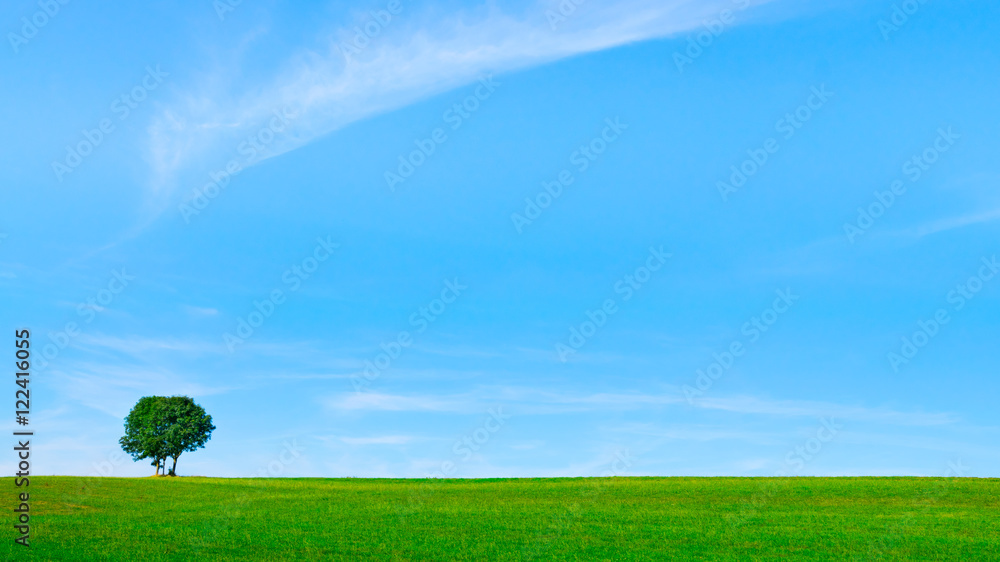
539	402
950	223
412	59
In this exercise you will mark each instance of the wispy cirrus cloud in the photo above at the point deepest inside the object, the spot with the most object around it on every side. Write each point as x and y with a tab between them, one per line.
378	440
796	408
112	389
418	55
950	223
541	402
398	403
141	346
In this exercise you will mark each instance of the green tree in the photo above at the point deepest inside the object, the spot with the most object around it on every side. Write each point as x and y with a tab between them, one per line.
159	427
144	429
188	427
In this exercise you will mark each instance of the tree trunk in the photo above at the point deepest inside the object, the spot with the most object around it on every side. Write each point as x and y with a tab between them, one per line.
173	470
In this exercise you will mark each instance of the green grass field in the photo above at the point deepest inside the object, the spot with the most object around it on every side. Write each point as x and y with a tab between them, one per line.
522	519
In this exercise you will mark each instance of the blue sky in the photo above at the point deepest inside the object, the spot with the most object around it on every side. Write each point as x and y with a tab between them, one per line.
508	240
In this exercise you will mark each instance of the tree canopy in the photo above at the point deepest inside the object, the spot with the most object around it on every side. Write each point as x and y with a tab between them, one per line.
159	427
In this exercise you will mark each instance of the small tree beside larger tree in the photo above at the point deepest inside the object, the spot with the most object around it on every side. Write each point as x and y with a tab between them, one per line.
161	427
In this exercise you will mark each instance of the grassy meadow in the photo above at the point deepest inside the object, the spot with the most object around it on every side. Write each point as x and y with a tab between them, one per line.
512	519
